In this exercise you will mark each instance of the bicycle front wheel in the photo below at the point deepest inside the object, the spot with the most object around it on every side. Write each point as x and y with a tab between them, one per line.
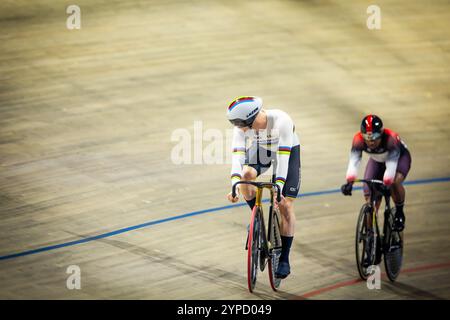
365	243
274	248
253	245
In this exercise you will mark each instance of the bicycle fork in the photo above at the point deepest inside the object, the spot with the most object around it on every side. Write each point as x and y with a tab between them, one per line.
372	232
262	233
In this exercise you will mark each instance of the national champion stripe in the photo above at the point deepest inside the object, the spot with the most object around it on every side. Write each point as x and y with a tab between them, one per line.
285	150
280	179
238	101
236	176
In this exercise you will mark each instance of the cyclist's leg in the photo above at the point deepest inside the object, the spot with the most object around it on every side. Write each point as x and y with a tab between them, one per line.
398	191
253	168
287	229
374	170
287	217
248	191
290	192
403	166
287	236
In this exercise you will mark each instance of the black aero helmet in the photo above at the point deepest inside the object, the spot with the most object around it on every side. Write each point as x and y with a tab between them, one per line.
372	127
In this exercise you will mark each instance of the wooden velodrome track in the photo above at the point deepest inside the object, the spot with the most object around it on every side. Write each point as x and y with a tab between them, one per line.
87	116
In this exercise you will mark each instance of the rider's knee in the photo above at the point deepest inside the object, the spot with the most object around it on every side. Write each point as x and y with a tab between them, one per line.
398	180
397	186
248	173
287	206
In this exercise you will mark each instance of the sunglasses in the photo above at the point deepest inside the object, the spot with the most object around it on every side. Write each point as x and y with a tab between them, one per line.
371	136
242	123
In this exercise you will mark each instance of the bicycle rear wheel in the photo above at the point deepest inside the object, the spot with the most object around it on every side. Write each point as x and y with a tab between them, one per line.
274	248
253	248
393	250
364	238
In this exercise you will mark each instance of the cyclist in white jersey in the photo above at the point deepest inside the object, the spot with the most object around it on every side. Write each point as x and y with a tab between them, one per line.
272	136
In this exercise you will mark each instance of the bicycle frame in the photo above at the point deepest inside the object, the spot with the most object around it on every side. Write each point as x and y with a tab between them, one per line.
374	198
260	186
376	195
389	243
264	246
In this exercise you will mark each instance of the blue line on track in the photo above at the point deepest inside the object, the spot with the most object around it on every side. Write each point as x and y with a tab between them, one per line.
186	215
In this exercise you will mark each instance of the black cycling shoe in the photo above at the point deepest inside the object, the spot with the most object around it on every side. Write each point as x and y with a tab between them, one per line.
283	270
399	222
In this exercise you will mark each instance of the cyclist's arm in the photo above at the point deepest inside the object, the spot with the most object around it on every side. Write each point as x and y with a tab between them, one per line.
285	128
238	155
393	147
355	158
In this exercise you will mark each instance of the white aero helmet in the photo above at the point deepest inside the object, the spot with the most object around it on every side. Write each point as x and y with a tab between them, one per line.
242	111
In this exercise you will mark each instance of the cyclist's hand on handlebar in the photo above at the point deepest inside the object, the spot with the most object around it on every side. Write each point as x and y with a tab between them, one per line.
235	199
346	189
